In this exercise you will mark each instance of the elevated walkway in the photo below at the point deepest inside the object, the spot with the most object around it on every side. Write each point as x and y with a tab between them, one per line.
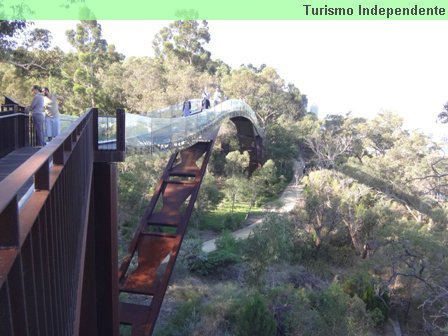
14	160
58	253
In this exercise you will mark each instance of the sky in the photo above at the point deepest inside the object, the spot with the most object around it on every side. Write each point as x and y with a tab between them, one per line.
362	67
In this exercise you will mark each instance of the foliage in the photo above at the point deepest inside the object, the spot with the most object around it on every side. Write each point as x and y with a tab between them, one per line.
255	318
266	92
137	178
233	188
184	39
94	54
227	252
209	195
269	242
321	215
184	321
341	315
262	185
222	219
337	138
362	285
282	148
8	30
237	163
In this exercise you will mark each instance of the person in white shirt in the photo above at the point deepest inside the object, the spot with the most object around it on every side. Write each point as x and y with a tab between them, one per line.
51	108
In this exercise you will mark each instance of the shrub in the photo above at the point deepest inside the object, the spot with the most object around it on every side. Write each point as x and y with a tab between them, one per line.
255	318
230	222
362	285
293	313
183	322
270	242
227	252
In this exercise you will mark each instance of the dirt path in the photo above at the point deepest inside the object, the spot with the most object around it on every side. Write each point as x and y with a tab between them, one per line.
284	204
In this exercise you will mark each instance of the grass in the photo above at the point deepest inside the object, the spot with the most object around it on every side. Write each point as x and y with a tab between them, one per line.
222	219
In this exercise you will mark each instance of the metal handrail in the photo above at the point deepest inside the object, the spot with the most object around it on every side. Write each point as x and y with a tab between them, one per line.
13	115
11	184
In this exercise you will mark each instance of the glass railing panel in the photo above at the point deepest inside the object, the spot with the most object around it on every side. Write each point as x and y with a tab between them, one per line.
172	130
107	132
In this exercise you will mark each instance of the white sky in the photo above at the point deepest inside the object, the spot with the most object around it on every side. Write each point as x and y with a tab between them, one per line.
359	66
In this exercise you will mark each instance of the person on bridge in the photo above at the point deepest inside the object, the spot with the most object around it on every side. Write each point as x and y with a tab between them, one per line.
37	112
51	108
205	101
217	97
186	109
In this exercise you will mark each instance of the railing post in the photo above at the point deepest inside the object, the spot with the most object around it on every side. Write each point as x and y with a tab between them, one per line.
26	130
121	122
42	177
16	129
95	128
9	228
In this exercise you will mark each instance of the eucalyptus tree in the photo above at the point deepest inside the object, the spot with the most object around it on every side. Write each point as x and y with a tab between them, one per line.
9	30
185	40
266	92
94	55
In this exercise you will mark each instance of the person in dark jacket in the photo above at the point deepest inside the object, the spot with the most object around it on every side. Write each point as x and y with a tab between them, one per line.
37	112
205	104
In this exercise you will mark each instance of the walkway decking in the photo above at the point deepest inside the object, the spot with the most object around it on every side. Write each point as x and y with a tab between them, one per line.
12	161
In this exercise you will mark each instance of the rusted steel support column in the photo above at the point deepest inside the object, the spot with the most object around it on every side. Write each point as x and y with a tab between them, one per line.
100	281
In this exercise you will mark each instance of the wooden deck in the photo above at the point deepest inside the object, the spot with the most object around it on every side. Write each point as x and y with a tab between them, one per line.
12	161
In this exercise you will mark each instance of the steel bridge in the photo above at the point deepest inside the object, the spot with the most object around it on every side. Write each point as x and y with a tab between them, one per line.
59	268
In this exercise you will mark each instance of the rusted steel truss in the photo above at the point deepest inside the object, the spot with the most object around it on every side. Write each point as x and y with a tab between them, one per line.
153	251
145	272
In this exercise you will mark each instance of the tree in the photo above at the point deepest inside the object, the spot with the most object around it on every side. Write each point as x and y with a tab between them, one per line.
185	40
34	57
337	138
382	132
261	183
237	163
443	116
8	31
281	146
322	214
94	55
150	84
267	94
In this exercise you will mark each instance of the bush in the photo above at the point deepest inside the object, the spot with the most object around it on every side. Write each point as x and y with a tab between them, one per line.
304	249
185	319
255	318
293	313
227	252
270	242
362	284
231	222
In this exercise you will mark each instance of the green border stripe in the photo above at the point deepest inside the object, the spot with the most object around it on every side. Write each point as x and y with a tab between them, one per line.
223	10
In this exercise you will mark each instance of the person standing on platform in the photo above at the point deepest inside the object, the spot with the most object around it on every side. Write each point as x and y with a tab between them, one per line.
52	120
37	112
186	109
205	104
217	97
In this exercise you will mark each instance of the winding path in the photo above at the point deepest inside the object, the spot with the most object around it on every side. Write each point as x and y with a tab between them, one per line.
288	199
